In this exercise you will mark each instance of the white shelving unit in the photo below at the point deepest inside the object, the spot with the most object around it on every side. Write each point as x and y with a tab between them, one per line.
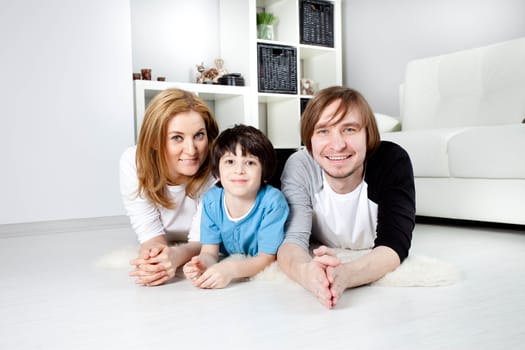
276	114
229	104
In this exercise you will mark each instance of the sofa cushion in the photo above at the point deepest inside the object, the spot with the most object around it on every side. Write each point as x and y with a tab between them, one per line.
386	123
427	149
476	87
492	152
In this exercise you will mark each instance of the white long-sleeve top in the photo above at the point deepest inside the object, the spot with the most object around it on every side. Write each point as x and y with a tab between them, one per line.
148	220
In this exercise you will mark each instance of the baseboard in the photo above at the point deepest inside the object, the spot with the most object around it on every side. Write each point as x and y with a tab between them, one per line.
470	223
62	226
109	222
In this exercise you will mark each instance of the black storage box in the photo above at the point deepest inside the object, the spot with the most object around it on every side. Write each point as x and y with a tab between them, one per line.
277	68
316	21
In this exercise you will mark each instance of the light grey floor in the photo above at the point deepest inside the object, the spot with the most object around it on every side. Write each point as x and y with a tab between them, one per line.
53	296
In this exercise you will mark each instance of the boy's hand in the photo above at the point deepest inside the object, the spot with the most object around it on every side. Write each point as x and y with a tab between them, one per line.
194	268
215	277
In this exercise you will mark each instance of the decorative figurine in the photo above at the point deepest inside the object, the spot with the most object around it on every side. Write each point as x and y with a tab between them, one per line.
200	69
211	75
307	87
219	64
145	73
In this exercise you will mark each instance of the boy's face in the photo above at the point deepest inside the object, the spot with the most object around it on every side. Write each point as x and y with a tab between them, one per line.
240	175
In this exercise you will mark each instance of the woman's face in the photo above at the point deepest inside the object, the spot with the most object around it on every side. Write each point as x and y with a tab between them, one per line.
186	146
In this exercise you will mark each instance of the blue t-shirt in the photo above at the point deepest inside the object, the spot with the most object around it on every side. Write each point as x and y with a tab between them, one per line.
260	230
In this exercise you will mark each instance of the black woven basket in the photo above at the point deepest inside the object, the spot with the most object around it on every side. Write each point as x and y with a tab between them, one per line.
304	102
316	22
277	68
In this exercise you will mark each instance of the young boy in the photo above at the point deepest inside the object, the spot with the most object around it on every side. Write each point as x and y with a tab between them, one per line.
242	214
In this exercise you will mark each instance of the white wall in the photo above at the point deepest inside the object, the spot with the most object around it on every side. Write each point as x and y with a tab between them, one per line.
382	36
66	92
172	36
66	107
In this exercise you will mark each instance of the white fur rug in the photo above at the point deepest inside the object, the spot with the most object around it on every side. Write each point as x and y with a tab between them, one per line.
415	271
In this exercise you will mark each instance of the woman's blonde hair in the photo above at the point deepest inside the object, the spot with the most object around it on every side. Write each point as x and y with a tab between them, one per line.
349	98
152	165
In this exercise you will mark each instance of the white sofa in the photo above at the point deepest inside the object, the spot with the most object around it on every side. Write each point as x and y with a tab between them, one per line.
462	117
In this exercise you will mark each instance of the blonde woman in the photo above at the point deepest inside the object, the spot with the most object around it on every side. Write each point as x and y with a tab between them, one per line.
162	179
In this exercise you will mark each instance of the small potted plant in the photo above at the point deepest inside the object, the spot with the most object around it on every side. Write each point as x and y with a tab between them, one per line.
265	23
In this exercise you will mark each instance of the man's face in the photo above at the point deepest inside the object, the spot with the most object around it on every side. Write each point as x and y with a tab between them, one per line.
340	147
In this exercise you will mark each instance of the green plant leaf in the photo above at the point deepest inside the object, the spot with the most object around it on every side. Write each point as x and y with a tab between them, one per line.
265	18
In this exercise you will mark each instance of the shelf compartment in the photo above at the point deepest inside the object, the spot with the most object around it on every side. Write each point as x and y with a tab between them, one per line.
282	122
229	104
285	28
318	65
